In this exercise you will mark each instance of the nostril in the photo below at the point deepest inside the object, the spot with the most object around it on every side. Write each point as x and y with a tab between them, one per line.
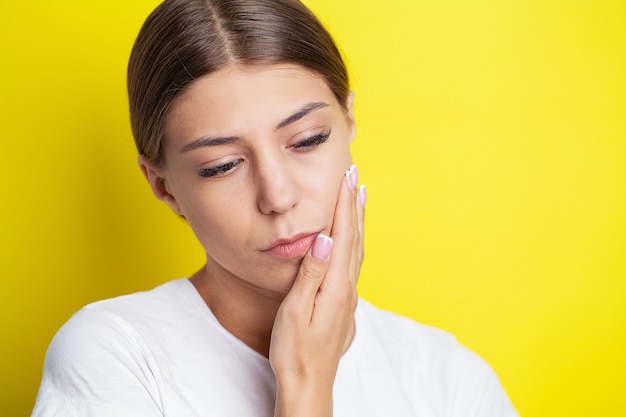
278	196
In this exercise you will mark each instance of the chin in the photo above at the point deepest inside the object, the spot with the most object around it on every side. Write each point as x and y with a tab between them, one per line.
282	277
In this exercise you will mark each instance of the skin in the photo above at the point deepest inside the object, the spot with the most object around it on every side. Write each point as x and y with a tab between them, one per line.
256	156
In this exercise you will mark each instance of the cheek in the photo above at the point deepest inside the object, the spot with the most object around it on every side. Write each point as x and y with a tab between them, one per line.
224	233
211	214
223	215
325	184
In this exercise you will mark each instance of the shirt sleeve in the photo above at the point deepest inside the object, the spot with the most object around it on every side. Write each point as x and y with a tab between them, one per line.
475	390
97	366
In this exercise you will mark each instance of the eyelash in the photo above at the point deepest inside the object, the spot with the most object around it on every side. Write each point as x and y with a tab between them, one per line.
302	146
312	142
220	170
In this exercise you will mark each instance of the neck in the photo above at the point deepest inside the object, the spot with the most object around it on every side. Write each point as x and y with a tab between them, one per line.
245	311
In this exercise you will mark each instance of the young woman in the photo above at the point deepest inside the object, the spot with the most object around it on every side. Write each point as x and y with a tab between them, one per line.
242	115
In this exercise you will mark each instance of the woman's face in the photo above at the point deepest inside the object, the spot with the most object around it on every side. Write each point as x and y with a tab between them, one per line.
254	157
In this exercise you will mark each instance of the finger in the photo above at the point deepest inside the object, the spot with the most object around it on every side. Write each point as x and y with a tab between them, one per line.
342	234
313	269
361	200
356	239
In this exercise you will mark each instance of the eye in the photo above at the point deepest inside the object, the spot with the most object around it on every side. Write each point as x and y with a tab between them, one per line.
220	170
311	142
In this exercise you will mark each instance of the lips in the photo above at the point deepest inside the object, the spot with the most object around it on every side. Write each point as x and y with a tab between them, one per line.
292	248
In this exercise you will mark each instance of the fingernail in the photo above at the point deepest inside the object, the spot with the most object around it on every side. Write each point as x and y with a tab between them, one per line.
322	247
352	176
362	195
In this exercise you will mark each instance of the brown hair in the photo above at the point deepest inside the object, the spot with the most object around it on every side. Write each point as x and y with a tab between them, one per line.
185	39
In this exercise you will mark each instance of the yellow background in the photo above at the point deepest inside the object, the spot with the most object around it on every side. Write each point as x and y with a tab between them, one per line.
491	136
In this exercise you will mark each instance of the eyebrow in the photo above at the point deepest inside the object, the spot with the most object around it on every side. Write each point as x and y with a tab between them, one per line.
209	141
216	141
303	111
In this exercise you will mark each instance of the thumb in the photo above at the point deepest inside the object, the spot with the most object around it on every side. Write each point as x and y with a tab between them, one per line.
311	273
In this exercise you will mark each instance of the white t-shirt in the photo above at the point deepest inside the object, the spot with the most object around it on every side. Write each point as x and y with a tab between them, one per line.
163	353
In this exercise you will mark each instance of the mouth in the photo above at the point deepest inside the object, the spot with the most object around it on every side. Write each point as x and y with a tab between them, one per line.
291	248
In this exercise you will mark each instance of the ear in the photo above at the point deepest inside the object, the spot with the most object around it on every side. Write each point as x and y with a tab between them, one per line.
158	183
350	115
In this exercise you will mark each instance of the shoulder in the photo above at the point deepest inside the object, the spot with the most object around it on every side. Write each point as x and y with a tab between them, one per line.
118	324
169	295
104	327
403	334
101	356
418	342
428	358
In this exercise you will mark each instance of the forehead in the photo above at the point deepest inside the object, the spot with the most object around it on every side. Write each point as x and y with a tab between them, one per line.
237	98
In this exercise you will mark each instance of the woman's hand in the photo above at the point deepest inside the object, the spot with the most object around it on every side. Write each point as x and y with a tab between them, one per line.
315	323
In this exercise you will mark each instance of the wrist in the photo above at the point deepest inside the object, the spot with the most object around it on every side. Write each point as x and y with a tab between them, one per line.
303	399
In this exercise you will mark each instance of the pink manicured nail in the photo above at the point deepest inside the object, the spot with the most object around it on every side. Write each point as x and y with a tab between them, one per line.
354	176
362	195
322	247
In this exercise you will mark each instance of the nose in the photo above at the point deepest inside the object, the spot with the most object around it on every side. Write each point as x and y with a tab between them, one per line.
277	187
